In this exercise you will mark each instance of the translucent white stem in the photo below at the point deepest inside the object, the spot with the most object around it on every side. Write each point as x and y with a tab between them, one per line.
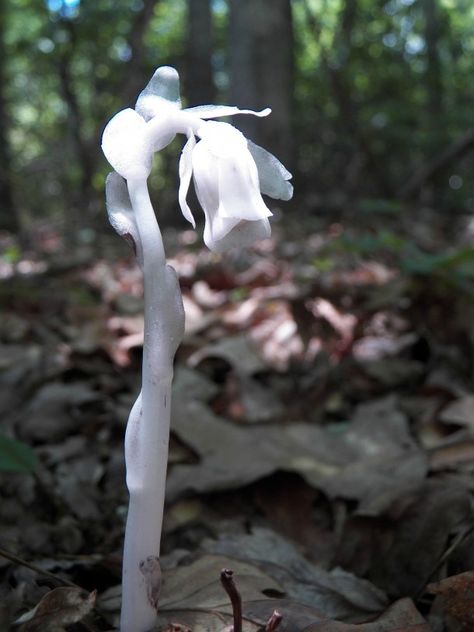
147	435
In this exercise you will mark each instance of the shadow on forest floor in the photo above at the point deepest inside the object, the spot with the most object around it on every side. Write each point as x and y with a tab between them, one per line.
322	431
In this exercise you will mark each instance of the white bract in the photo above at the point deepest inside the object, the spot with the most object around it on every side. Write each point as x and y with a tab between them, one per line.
230	174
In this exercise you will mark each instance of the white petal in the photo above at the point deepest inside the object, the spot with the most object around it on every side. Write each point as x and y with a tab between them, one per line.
239	193
120	212
272	175
223	140
119	207
239	186
126	146
215	111
226	184
207	190
242	235
162	90
185	173
218	227
205	183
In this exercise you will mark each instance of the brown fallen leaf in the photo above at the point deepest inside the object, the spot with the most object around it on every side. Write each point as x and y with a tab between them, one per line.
400	554
336	594
192	596
452	454
457	596
366	461
460	412
401	616
58	608
53	412
290	505
237	351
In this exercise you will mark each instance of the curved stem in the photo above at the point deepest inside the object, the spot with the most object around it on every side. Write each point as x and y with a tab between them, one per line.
147	435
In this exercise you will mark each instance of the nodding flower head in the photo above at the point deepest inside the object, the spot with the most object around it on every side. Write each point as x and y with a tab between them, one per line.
230	173
227	186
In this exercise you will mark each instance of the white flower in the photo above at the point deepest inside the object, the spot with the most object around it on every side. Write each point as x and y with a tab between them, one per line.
229	172
227	185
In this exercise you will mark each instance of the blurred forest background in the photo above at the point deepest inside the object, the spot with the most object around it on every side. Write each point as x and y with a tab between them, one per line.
323	411
372	99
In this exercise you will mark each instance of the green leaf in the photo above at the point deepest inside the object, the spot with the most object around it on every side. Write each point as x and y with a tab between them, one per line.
16	456
372	244
380	206
460	262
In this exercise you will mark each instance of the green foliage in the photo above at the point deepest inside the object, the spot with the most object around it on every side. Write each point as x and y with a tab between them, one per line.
16	456
374	244
376	84
377	93
453	269
11	253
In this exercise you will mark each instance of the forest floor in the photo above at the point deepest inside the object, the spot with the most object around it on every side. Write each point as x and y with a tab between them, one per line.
322	431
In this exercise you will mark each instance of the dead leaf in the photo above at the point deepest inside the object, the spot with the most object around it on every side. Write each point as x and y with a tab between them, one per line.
20	367
230	457
460	412
193	595
402	616
206	297
14	355
51	414
77	482
374	457
393	371
452	454
127	334
191	598
335	594
457	595
237	351
295	616
191	384
86	327
298	511
277	337
58	608
247	400
400	554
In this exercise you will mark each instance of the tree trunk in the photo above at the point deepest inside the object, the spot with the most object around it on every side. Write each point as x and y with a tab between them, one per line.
135	76
9	219
261	70
336	66
198	83
84	194
434	81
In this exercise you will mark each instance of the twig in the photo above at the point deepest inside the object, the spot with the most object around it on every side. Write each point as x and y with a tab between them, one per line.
458	540
41	571
273	622
229	586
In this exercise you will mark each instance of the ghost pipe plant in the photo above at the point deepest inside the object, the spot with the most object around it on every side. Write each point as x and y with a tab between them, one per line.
229	173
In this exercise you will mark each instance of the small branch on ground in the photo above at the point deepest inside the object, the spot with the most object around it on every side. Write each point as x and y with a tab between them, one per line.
41	571
273	622
227	581
457	541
